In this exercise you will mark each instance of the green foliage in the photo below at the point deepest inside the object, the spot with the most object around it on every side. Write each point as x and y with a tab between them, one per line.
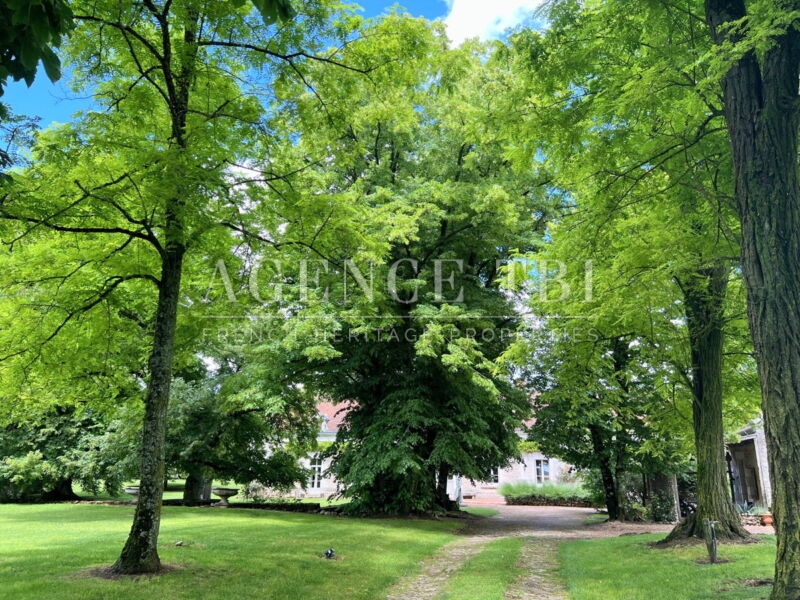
528	446
275	10
638	153
16	133
43	458
662	508
122	209
548	491
410	160
211	432
29	30
597	404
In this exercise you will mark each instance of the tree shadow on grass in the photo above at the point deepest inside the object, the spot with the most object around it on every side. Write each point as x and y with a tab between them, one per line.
106	572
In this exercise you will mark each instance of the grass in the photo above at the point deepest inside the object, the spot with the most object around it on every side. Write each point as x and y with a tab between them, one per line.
48	550
480	511
598	517
628	568
486	576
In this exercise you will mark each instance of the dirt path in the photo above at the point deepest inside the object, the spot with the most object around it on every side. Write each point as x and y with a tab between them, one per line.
543	528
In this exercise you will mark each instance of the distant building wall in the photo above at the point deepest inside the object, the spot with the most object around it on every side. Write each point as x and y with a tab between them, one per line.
535	468
750	467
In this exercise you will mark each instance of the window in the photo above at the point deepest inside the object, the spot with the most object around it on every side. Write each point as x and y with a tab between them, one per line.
494	476
315	481
542	470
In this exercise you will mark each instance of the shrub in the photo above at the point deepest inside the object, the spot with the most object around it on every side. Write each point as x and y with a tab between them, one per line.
553	494
662	508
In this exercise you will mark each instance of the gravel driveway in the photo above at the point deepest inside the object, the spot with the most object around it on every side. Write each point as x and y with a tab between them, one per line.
543	529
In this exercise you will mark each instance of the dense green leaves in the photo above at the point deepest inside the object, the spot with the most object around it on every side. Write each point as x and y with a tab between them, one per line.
615	107
417	197
275	10
29	32
45	454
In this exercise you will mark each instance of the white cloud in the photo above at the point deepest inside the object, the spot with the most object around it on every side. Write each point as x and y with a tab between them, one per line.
486	19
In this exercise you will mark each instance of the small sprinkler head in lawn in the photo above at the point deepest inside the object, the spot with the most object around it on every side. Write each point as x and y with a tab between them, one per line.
329	553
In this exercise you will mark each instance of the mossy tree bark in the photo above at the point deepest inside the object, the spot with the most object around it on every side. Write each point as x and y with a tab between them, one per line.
761	106
704	297
140	553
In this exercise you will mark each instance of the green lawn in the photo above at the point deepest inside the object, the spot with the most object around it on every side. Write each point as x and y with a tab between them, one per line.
47	550
627	568
486	576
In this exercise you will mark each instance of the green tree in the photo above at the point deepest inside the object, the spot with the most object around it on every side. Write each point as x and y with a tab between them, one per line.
416	148
597	405
132	197
759	65
637	146
221	427
42	458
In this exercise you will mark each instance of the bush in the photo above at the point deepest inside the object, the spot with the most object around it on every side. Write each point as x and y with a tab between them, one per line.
552	494
662	508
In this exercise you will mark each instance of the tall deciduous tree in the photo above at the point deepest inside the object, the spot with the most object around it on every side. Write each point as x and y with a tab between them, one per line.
416	148
598	405
135	192
761	66
638	146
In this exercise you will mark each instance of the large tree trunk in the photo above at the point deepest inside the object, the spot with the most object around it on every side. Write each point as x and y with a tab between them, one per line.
61	491
761	106
194	487
140	553
704	298
610	491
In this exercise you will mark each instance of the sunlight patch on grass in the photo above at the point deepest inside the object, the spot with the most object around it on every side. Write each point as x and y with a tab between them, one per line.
48	551
629	568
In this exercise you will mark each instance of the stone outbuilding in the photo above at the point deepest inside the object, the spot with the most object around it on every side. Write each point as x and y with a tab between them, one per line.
748	467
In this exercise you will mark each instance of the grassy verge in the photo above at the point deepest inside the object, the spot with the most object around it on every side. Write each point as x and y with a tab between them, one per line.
48	551
600	517
487	576
627	568
480	511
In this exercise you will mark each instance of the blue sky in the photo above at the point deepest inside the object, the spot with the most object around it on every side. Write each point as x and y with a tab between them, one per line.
464	19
